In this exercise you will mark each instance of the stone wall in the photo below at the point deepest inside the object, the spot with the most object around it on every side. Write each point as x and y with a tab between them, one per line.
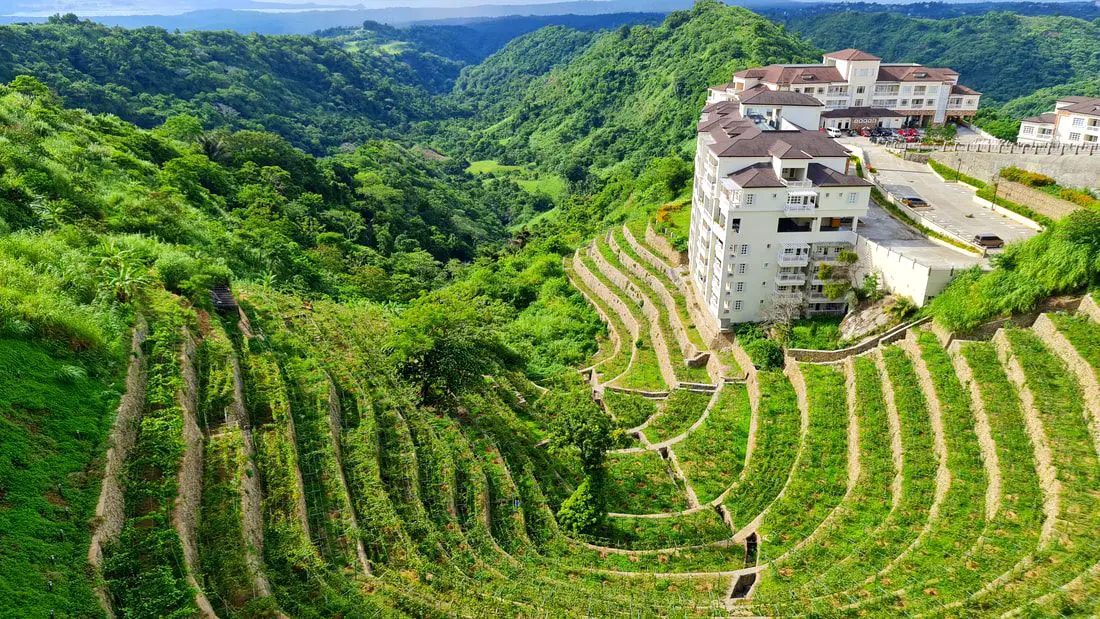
612	300
692	355
829	356
1042	203
662	245
660	346
614	337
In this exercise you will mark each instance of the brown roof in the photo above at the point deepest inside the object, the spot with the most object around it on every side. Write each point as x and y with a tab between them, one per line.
1042	119
959	89
824	176
1075	99
1088	107
767	96
750	141
852	54
861	112
793	74
913	73
756	175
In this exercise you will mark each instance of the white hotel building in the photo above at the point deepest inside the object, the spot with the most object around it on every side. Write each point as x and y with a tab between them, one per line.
1074	121
857	89
773	200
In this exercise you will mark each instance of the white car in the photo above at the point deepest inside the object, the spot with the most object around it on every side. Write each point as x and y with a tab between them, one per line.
834	132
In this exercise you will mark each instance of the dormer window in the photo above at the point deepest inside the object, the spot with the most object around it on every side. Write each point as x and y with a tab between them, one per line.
920	74
809	78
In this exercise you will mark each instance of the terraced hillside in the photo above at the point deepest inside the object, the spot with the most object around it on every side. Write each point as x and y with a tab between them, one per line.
916	479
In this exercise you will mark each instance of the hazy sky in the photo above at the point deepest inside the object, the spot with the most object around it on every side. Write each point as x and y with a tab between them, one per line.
163	7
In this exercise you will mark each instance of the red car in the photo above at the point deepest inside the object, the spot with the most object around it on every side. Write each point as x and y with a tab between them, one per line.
913	132
865	132
912	138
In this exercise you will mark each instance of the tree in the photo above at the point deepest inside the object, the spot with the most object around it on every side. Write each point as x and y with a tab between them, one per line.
579	425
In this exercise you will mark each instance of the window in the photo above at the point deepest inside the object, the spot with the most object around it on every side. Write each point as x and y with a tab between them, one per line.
744	250
1073	137
741	268
860	89
740	287
749	198
735	224
1027	130
737	305
1078	122
852	197
905	103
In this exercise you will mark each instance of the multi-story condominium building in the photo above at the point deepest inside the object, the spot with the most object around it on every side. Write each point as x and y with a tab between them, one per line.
1074	121
858	89
773	201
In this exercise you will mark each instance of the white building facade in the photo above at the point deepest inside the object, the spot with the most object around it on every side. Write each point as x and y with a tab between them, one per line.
1075	121
773	201
851	82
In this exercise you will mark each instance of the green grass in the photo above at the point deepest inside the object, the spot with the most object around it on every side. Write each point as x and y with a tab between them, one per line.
491	166
642	483
1083	333
942	568
986	192
1021	514
55	411
879	546
713	455
637	228
677	296
682	409
1073	549
644	372
860	515
550	185
699	527
817	333
819	480
630	410
664	321
777	443
610	365
707	558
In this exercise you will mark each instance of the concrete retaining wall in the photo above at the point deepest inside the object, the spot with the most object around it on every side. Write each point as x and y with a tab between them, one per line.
607	296
1043	203
901	274
1070	170
614	337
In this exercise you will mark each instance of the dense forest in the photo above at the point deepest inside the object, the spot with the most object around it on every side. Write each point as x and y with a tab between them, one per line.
390	422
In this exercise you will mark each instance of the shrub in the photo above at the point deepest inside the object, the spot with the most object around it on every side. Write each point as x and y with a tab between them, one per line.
583	511
1031	179
765	354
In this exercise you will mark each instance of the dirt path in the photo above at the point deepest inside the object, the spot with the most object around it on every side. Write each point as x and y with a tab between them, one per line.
110	510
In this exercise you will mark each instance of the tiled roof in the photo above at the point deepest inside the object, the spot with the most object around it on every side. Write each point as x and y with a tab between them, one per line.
852	54
742	141
1075	99
793	74
959	89
824	176
861	112
1042	119
1089	107
756	175
913	73
767	96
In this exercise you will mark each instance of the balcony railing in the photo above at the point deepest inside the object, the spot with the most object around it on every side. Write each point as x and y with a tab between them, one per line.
799	208
796	184
789	296
790	279
793	260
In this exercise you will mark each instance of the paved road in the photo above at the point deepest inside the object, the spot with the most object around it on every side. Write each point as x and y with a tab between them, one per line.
882	228
953	207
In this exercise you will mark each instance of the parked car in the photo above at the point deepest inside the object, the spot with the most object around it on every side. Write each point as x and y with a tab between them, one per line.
912	138
915	202
833	132
989	241
865	132
912	132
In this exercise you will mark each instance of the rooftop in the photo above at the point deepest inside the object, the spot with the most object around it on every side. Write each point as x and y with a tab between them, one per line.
1046	118
959	89
852	54
741	141
762	95
1089	106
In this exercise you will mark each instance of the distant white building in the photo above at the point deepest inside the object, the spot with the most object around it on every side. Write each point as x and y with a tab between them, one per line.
857	89
774	199
1074	121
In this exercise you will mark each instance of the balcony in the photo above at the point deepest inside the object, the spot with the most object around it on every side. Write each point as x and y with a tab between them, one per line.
799	208
796	297
796	184
790	279
793	260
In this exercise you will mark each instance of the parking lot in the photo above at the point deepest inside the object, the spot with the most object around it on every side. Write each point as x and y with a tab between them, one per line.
952	205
